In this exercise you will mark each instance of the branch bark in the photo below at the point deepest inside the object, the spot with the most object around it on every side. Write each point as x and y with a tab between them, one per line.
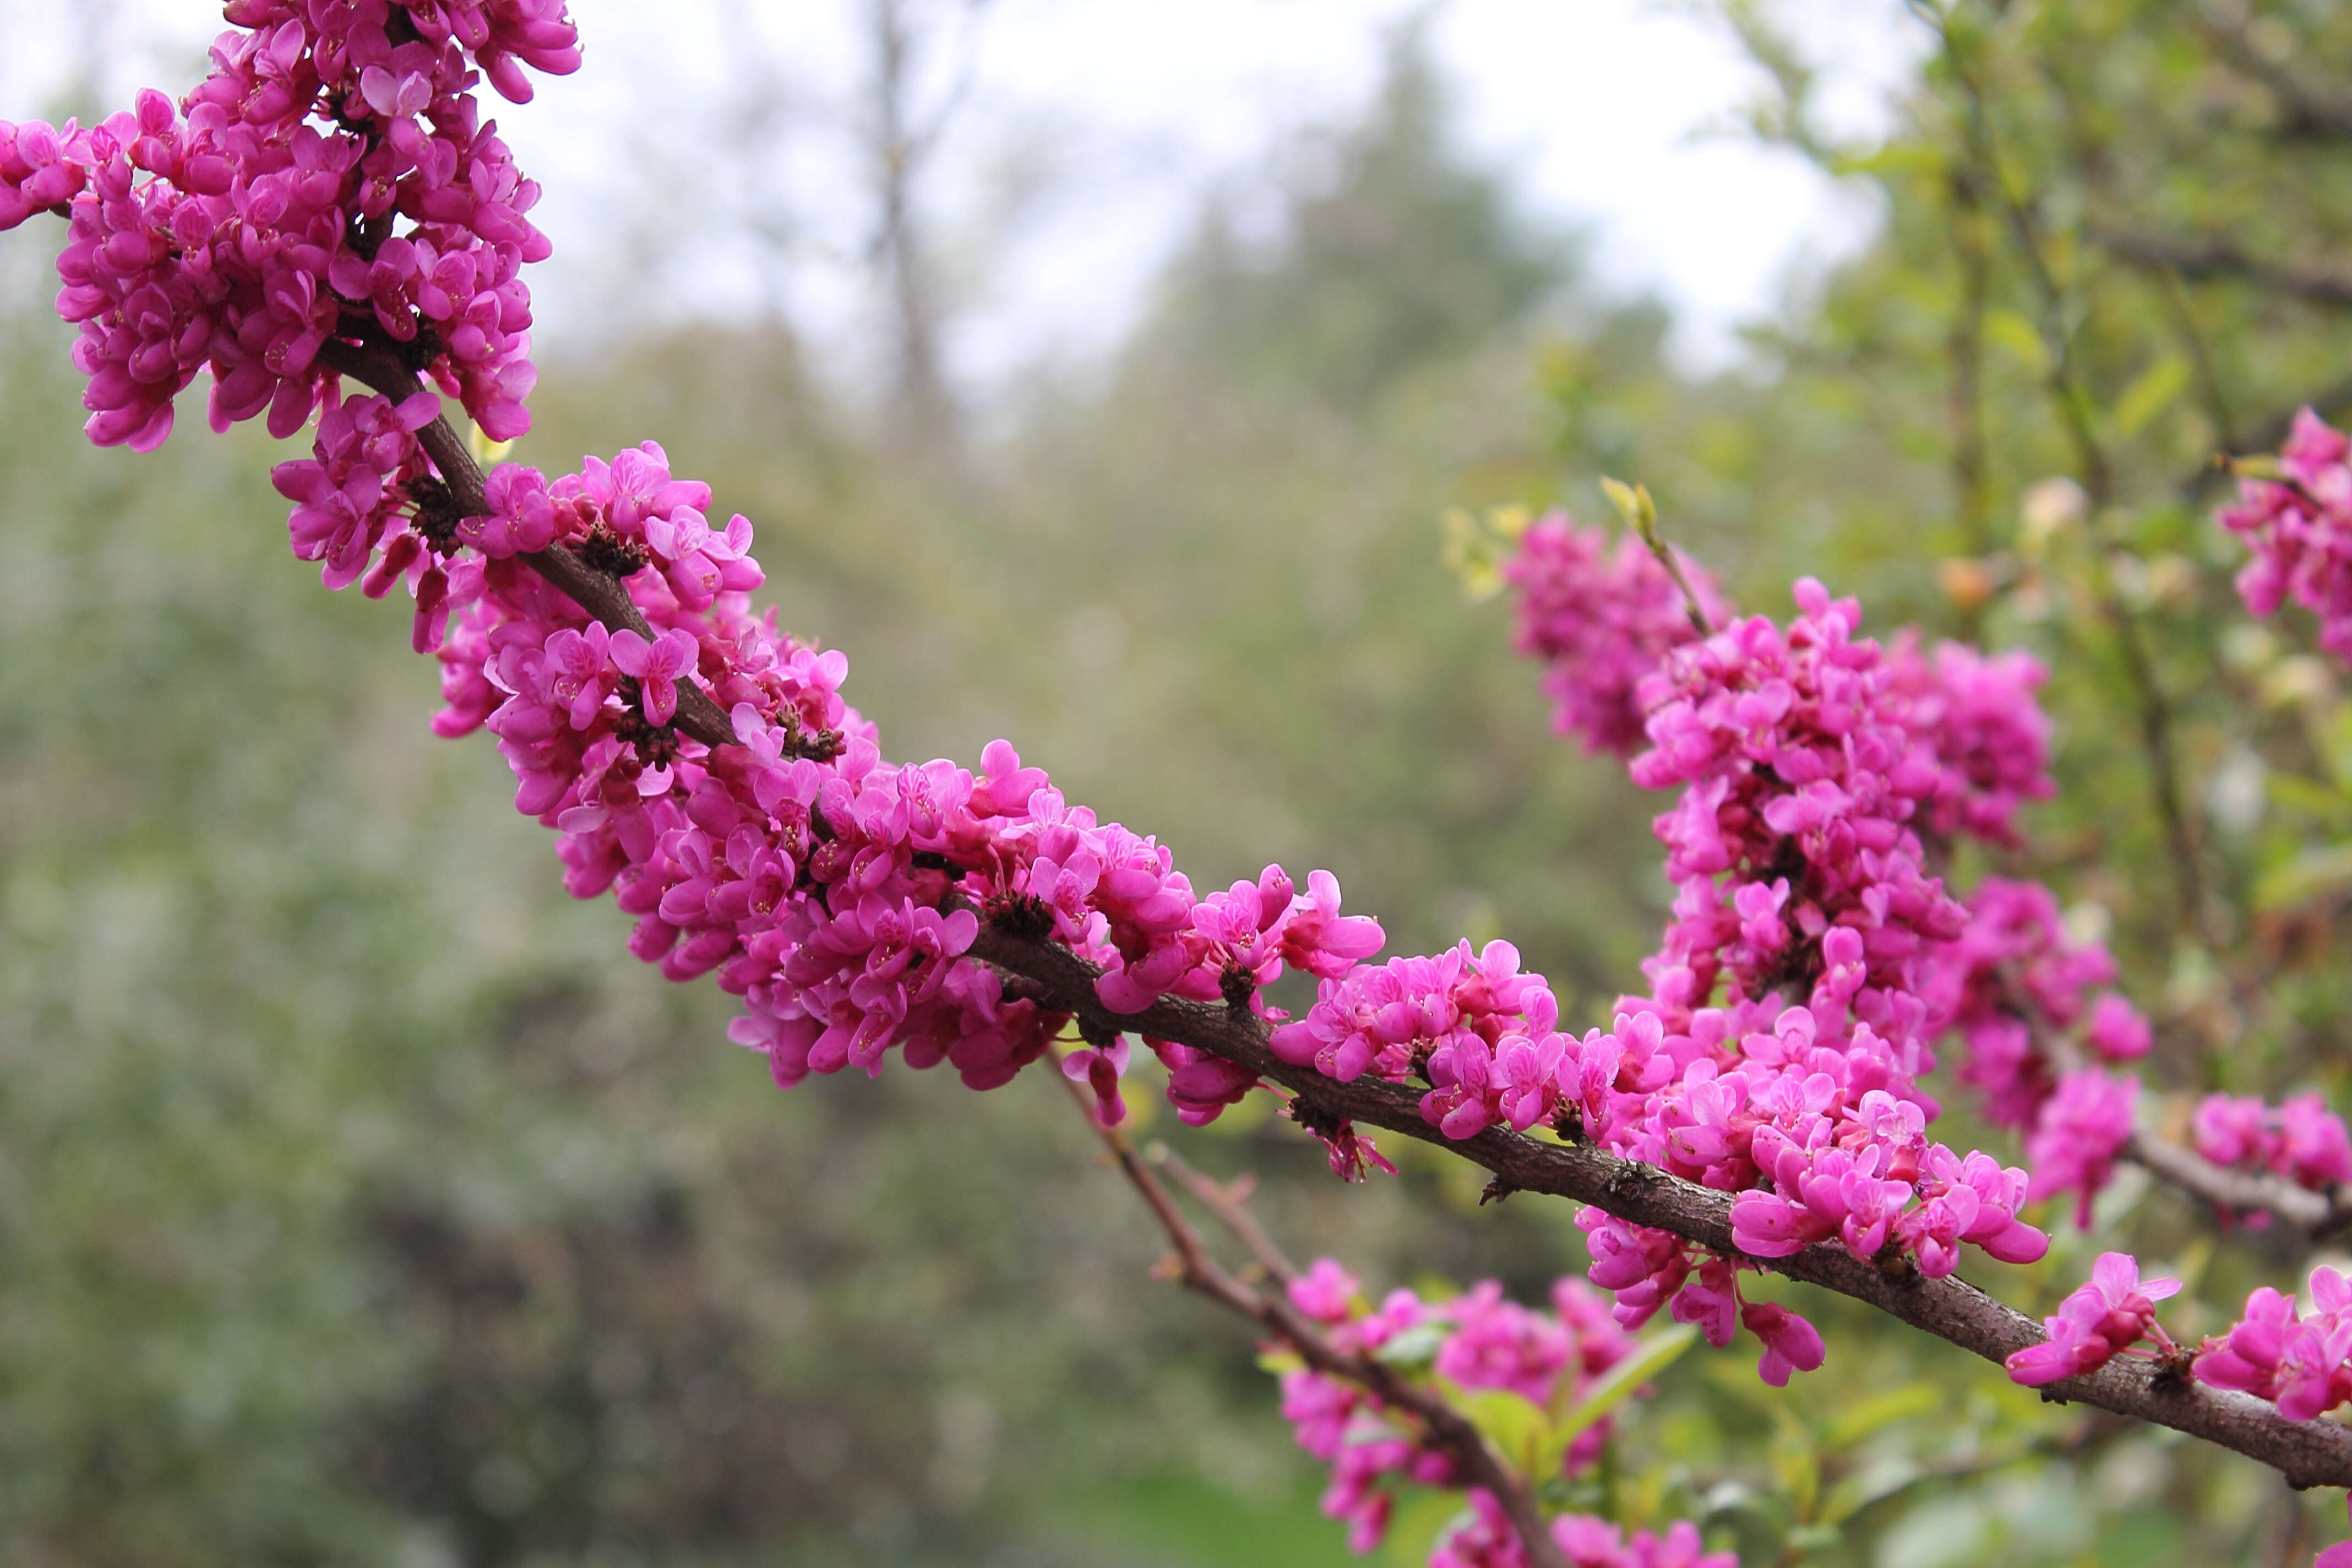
2308	1453
2202	260
602	596
2070	394
2317	1214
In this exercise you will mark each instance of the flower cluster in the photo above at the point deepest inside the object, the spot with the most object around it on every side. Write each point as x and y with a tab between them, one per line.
1476	1341
1485	1540
834	891
1992	740
2302	1364
332	175
2106	1318
2299	1138
2080	1134
1800	777
1600	621
331	182
2011	984
2299	527
2300	1361
1801	981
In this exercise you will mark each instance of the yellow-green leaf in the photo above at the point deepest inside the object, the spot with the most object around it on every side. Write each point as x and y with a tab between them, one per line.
2151	394
2314	875
1415	1526
1879	1411
1652	1353
1857	1492
1519	1428
1412	1347
1797	1464
2015	334
1894	158
1633	504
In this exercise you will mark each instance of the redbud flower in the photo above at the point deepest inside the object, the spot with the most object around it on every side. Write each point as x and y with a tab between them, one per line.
2114	1310
657	666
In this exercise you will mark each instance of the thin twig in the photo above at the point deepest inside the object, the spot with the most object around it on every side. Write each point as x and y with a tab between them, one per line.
1229	1201
1971	471
2066	389
1443	1427
2205	258
2318	1215
1671	560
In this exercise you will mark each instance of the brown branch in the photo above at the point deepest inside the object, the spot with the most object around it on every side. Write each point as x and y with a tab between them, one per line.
1443	1427
1964	348
2319	1214
2204	259
2072	397
602	596
1229	1201
2309	1453
2309	110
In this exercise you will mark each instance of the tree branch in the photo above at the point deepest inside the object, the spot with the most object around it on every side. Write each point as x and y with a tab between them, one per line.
1229	1201
2319	1214
2308	1453
1443	1427
2203	260
602	596
2076	412
2308	109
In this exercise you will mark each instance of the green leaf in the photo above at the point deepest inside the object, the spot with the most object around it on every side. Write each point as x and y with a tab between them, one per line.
1868	1485
1808	1538
1881	1410
2015	334
1519	1428
1894	158
2321	802
2310	877
1414	1527
2148	395
1797	1464
1633	503
1415	1346
1279	1362
1652	1353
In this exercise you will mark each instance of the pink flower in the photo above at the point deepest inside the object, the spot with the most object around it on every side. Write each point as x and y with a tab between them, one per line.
2300	1139
2114	1310
2299	529
1790	1344
657	666
2081	1132
2117	1032
1326	1292
1600	622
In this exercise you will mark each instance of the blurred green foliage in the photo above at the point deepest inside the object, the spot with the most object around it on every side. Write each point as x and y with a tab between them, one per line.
357	1204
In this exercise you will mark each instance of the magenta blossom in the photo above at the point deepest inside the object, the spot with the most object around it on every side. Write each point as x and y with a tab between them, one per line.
2112	1313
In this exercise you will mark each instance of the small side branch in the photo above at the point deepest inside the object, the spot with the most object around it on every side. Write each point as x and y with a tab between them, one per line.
1443	1427
2076	409
2204	259
2318	1215
1229	1201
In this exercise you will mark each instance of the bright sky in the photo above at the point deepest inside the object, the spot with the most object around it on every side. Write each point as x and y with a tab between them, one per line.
1109	122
